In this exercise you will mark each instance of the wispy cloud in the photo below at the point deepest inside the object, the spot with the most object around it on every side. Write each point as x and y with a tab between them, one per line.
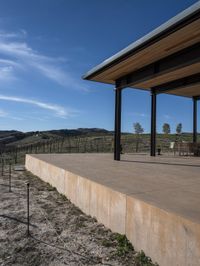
138	114
58	110
168	117
6	73
3	113
12	35
13	46
8	62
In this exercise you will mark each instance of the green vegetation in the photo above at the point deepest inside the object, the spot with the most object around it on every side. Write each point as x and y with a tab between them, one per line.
50	187
166	128
88	141
107	243
179	128
138	131
63	197
138	128
142	260
124	246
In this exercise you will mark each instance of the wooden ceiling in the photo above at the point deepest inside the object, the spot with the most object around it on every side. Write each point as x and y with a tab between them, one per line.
188	91
168	76
178	40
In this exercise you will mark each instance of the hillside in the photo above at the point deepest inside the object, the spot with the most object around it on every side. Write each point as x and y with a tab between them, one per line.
14	144
20	138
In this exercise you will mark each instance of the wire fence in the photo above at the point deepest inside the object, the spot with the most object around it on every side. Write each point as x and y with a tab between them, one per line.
130	143
24	196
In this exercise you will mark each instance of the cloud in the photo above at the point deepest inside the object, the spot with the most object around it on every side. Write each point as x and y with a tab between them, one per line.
58	110
9	62
168	117
8	35
6	73
7	69
3	113
138	114
26	57
12	35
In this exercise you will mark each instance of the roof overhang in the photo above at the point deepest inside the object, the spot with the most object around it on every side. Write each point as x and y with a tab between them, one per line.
165	56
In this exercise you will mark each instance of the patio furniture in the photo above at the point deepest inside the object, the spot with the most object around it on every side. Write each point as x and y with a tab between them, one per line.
195	148
188	149
172	147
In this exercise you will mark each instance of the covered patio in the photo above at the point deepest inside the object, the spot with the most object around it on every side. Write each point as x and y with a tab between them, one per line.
154	201
167	60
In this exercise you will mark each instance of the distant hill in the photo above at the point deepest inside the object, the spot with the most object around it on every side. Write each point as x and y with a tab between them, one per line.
8	136
15	137
6	133
78	131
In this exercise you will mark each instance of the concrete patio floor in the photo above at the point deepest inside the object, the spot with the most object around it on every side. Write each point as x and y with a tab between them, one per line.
153	200
171	183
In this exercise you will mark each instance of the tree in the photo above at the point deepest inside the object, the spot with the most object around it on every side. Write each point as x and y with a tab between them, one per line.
166	128
179	128
138	128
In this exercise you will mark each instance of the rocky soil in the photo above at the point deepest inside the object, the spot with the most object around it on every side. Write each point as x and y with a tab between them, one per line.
60	234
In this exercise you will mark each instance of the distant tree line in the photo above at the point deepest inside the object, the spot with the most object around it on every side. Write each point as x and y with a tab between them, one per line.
166	129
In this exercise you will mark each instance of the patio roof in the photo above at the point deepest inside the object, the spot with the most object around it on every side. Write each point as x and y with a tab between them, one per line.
167	59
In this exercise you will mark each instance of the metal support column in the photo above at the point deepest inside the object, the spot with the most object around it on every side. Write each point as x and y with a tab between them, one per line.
194	119
117	136
153	123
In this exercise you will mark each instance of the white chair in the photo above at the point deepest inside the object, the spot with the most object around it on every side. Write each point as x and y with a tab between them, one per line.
172	147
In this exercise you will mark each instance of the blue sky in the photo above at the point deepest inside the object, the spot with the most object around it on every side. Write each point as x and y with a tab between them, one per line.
47	45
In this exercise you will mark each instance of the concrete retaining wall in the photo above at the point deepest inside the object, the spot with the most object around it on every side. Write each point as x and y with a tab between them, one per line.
167	238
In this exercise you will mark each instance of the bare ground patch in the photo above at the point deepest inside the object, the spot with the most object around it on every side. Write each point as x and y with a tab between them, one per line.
60	233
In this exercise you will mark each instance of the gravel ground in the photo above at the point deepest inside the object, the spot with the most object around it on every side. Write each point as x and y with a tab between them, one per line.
60	233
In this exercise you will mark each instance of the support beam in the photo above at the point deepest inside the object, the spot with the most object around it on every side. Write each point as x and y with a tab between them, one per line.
153	123
117	136
178	84
178	60
195	99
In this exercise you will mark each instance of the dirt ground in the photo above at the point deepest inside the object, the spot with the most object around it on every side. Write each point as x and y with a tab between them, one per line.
60	233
